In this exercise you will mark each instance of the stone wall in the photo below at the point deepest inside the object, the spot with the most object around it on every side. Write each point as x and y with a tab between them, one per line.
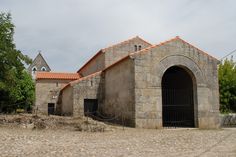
67	101
96	64
86	88
47	91
149	69
116	52
112	54
119	92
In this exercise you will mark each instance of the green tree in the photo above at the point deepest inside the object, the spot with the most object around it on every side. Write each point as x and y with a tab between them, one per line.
27	89
227	83
14	81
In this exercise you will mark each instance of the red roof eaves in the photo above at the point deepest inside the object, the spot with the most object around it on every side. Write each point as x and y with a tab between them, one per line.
57	75
67	85
148	48
203	52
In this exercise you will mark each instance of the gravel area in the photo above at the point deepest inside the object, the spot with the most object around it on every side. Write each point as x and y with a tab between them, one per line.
130	142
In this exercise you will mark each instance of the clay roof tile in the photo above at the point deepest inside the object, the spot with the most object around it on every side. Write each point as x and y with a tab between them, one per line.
55	75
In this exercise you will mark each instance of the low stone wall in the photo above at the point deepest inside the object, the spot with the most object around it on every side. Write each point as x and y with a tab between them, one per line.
89	87
228	120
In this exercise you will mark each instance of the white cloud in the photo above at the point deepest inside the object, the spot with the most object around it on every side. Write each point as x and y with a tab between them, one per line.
70	31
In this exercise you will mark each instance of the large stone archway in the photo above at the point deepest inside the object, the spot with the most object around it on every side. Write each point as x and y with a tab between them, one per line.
184	61
177	98
195	73
149	72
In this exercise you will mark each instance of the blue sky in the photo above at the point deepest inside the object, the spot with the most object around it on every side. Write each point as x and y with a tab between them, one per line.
69	32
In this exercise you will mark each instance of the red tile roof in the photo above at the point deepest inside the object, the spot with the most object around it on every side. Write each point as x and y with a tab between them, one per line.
59	76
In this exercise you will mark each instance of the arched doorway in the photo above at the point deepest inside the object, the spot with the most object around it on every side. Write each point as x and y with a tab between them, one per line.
177	98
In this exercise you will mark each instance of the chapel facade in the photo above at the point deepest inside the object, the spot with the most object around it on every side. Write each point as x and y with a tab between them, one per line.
147	86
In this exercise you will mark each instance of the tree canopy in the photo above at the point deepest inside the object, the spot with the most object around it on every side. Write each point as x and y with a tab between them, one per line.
16	85
227	84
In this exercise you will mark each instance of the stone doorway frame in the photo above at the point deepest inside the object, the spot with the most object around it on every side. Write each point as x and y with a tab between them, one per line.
193	87
195	72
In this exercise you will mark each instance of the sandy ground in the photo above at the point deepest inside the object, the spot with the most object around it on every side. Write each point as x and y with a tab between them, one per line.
118	143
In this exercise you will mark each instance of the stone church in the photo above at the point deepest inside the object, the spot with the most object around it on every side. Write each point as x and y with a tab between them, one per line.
147	86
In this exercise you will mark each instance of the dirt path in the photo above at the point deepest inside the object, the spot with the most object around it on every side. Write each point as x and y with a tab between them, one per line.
131	142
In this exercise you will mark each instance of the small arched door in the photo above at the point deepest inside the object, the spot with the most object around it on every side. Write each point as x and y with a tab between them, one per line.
177	98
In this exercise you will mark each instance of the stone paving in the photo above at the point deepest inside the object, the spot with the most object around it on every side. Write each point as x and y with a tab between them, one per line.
130	142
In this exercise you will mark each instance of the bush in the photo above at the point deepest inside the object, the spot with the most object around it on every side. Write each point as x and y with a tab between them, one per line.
227	85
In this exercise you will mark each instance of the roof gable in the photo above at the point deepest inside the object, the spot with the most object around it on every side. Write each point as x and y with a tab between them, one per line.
127	41
110	47
39	60
171	40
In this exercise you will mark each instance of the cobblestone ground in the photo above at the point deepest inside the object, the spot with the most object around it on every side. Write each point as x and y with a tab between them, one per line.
131	142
